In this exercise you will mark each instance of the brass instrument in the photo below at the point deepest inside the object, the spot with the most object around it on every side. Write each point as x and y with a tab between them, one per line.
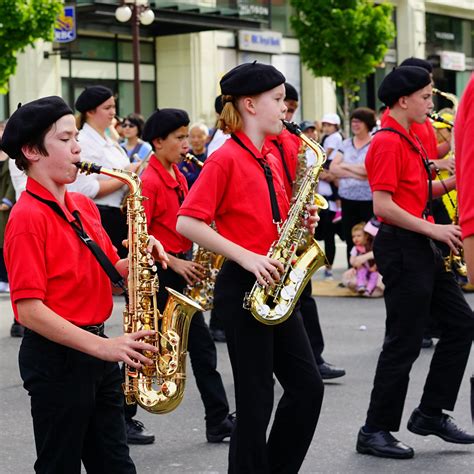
138	172
273	305
448	96
438	118
158	388
203	291
190	158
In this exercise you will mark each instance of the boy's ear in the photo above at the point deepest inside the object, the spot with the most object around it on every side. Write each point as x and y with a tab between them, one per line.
31	153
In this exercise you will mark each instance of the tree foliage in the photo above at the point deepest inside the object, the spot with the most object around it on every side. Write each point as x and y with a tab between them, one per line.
343	39
22	22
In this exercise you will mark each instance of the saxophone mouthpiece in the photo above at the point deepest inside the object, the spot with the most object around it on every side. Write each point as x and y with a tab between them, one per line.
88	167
292	127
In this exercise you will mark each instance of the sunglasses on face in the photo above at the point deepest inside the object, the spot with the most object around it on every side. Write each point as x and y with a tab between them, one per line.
128	125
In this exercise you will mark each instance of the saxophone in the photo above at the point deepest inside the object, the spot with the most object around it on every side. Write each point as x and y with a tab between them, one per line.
274	305
158	388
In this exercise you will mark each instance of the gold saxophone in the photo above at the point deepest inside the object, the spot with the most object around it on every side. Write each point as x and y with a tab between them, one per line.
158	388
274	305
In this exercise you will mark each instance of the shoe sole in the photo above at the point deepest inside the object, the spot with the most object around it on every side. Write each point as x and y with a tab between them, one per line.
422	432
216	439
331	377
374	452
141	441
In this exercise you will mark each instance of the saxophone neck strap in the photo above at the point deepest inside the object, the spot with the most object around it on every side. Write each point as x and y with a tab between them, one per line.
269	178
101	257
420	150
283	160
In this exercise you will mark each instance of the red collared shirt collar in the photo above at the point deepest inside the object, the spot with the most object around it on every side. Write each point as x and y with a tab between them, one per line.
392	123
39	190
248	143
169	181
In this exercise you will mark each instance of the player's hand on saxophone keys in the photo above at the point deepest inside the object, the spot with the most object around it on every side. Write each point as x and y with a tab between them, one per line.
311	222
158	252
267	270
450	234
192	272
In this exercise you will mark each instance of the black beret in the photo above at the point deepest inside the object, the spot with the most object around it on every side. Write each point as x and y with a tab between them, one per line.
403	80
251	79
29	121
418	62
218	105
290	92
91	97
162	122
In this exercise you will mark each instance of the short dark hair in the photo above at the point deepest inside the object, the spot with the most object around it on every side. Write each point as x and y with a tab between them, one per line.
36	142
137	120
366	115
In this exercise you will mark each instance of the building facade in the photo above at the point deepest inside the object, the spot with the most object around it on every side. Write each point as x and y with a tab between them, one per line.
191	44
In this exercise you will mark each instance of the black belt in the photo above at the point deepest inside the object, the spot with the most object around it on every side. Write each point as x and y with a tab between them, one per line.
97	329
104	208
394	230
181	255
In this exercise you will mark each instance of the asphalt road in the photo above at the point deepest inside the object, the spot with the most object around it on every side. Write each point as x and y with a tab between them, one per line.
181	446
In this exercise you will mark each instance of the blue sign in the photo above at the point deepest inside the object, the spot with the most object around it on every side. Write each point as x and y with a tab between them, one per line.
65	26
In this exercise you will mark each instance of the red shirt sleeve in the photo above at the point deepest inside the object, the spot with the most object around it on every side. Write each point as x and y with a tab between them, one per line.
383	166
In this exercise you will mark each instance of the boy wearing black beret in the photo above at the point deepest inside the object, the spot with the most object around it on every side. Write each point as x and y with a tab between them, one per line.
61	294
416	281
166	187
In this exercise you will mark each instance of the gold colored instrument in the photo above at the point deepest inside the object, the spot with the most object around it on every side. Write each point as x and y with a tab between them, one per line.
158	388
448	96
203	291
274	305
190	158
438	118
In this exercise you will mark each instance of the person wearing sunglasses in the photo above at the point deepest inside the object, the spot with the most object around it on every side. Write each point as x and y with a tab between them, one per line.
132	128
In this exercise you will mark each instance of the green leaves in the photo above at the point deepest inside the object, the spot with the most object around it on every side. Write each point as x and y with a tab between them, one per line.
22	22
342	39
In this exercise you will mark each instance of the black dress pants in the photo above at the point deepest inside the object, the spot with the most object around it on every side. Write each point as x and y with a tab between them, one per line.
417	285
77	409
258	351
309	313
202	353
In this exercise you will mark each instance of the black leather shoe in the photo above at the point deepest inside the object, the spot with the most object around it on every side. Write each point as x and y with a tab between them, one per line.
17	330
382	444
217	434
328	371
442	426
218	335
137	433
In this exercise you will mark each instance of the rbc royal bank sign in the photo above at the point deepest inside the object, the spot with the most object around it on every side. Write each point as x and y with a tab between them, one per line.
260	41
65	25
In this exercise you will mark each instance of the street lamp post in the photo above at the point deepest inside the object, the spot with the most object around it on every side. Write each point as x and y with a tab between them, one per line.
140	12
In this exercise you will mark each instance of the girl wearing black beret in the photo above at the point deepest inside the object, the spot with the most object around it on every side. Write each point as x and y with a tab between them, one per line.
232	190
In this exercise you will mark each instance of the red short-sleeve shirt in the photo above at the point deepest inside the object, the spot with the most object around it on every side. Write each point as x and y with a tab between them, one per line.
232	191
394	166
46	260
289	144
164	194
464	133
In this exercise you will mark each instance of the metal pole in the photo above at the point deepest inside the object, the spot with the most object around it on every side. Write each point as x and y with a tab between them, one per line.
136	55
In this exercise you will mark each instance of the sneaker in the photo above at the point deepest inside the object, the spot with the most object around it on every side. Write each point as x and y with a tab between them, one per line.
217	434
328	274
17	330
427	342
361	289
337	217
137	433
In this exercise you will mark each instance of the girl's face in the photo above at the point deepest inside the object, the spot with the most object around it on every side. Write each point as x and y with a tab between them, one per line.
270	109
103	115
358	237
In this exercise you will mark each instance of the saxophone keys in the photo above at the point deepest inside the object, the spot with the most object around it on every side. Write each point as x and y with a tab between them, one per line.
281	309
263	310
296	275
288	292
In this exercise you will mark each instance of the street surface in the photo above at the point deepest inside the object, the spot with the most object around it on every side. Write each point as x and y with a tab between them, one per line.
181	445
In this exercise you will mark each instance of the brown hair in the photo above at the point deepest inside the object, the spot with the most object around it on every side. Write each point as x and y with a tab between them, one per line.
230	120
34	143
359	226
365	115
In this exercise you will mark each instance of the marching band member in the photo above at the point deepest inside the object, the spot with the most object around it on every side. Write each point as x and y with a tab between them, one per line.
235	190
63	296
165	187
416	282
465	168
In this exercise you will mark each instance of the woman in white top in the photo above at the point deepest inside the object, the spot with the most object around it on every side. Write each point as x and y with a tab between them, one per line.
348	166
97	107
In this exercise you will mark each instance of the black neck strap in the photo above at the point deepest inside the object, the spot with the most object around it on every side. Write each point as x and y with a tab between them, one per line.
268	176
98	253
283	160
426	163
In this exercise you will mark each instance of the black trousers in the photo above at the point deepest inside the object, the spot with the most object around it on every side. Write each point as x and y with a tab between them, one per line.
258	351
416	285
114	222
353	212
77	409
327	231
3	268
309	313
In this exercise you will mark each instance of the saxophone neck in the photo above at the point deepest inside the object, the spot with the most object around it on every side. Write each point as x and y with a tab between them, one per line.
313	144
126	177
